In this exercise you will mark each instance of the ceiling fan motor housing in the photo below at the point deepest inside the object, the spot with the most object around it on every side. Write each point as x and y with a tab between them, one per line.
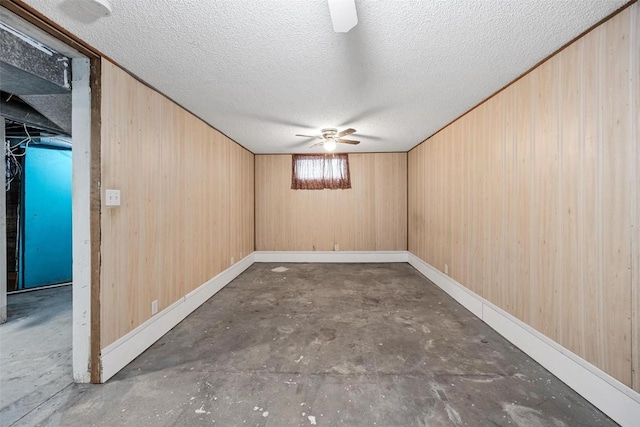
328	133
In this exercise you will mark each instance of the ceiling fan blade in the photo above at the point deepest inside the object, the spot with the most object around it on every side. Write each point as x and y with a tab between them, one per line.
316	144
343	15
348	141
345	132
309	136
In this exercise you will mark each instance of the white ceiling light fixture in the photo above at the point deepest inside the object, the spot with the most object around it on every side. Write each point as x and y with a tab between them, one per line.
330	145
343	15
98	8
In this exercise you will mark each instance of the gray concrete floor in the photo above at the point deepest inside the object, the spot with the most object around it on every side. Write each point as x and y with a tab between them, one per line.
35	350
326	345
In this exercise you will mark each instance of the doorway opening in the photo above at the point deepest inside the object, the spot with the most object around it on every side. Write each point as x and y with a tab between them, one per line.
38	197
45	279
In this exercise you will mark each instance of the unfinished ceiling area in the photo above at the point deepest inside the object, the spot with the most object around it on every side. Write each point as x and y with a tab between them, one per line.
263	71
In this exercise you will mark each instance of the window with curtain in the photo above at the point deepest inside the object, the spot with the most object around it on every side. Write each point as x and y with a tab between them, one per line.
320	171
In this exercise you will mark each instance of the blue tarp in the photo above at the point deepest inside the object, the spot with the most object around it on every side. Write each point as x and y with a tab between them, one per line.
46	217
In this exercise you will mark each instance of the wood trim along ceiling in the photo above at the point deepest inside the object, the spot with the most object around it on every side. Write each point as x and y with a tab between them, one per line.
597	24
527	199
36	18
187	203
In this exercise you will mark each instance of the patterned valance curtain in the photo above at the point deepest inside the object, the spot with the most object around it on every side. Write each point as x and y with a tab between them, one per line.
320	171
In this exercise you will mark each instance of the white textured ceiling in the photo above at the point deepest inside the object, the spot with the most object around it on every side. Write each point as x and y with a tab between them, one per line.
263	71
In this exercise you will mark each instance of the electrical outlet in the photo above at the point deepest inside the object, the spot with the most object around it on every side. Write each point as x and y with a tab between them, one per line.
336	247
232	260
112	197
446	269
154	307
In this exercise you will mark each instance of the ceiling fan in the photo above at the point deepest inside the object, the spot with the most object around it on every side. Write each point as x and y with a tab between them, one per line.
331	137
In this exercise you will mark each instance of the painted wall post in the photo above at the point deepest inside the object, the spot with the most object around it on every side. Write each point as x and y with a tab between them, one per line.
3	228
81	183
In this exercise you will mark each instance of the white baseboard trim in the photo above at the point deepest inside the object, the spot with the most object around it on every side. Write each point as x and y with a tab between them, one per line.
612	397
329	256
615	399
120	353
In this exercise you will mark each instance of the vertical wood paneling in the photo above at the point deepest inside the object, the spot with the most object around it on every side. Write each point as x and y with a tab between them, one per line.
617	196
591	197
477	216
484	206
390	189
494	113
461	207
522	202
509	204
532	198
370	216
187	203
570	298
456	223
634	101
545	200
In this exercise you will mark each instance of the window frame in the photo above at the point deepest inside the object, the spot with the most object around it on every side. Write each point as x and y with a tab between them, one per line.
333	177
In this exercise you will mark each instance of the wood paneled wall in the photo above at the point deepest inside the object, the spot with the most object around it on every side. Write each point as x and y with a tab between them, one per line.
371	216
532	199
187	203
634	70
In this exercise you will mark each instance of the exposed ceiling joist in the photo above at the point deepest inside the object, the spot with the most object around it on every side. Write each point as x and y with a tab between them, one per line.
55	107
14	109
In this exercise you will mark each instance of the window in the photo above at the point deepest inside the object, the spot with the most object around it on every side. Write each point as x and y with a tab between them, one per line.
320	171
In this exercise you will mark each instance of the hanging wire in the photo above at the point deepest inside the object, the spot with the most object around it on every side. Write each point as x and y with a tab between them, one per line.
13	166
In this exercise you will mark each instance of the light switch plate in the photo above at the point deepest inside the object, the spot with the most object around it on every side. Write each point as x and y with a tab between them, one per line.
112	197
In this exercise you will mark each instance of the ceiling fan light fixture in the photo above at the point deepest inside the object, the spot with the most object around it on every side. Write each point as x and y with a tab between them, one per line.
329	145
330	138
